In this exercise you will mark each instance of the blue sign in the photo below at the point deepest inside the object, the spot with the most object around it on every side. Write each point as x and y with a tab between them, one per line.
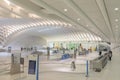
65	56
32	67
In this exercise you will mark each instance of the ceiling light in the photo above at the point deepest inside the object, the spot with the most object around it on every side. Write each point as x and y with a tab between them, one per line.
116	9
116	20
78	19
69	24
65	10
33	15
8	2
18	7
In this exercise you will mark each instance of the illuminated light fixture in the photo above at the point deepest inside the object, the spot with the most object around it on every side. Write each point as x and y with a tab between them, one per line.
116	9
65	10
18	7
70	24
8	2
116	20
64	24
52	23
33	15
87	25
37	24
78	19
99	39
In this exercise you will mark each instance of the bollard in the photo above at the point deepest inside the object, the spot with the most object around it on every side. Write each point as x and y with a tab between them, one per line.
37	69
87	68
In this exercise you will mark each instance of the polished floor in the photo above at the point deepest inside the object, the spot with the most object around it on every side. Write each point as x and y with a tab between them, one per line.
110	72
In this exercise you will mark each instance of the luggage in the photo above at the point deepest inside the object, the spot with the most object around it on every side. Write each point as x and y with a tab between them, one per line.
98	70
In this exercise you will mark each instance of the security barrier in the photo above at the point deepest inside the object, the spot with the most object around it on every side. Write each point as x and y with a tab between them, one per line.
99	63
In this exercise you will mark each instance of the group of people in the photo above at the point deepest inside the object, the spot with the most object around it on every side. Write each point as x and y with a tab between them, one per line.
109	55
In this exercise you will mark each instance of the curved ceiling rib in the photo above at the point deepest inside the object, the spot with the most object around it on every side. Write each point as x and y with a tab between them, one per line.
31	7
45	5
111	29
103	11
4	14
12	28
48	29
89	19
74	6
9	11
110	18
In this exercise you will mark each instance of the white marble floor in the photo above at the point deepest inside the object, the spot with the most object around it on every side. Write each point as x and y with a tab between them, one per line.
110	72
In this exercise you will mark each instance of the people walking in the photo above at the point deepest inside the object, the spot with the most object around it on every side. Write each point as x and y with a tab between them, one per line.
100	53
73	66
110	55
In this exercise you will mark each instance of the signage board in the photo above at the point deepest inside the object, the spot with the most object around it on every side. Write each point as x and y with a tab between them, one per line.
32	67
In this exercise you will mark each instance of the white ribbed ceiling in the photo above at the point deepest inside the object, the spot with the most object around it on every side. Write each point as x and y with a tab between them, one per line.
61	19
50	30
